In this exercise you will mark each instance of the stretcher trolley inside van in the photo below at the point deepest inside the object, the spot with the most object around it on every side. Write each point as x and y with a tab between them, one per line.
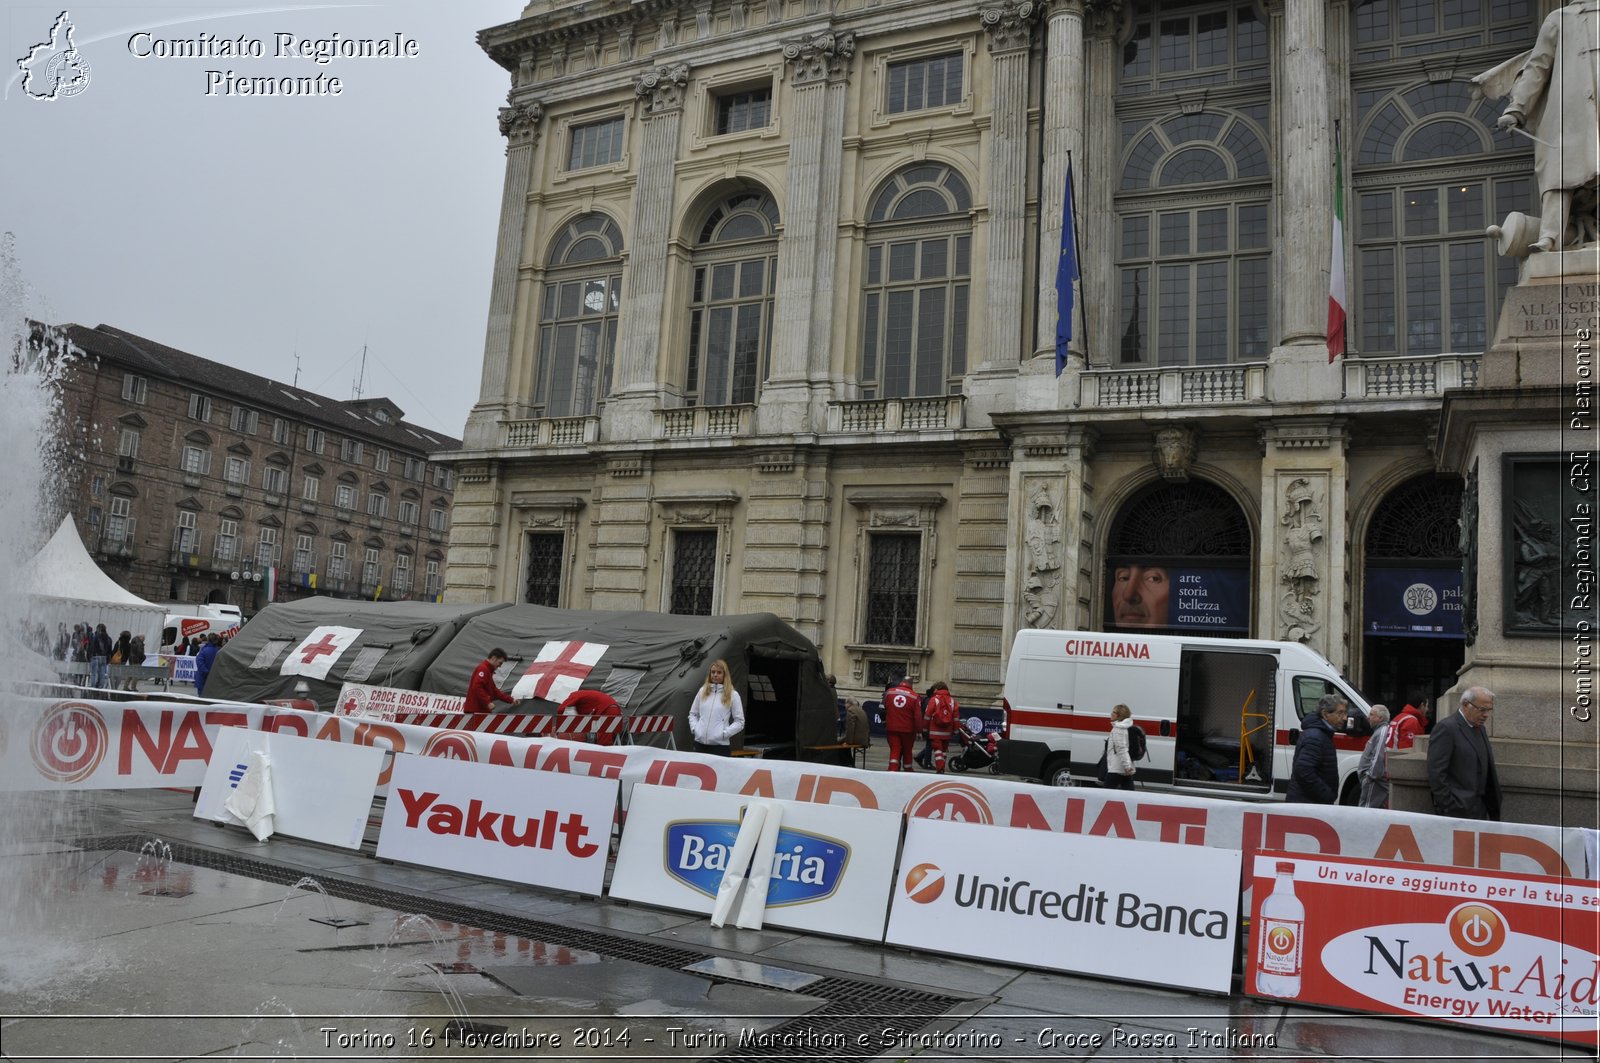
1221	716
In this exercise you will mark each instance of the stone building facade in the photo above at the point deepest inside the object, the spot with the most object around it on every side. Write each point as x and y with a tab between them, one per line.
196	479
774	307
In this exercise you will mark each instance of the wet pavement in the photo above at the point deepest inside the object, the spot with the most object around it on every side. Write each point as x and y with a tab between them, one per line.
165	938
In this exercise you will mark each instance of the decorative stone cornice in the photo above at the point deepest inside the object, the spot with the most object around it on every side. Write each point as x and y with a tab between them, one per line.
819	57
662	88
1010	25
519	122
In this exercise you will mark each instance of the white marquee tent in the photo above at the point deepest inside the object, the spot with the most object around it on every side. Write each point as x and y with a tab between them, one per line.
69	588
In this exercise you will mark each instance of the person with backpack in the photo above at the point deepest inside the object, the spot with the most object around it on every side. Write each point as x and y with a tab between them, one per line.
941	715
1118	773
902	719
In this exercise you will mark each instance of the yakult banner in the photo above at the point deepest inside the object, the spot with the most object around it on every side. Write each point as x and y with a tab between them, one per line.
1366	833
321	791
549	830
831	869
1115	909
382	703
99	745
1496	951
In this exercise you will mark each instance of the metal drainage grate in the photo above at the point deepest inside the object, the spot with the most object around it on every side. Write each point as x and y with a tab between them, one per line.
856	1014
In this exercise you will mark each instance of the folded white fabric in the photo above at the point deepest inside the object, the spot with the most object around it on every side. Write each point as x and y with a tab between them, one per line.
252	800
755	814
753	908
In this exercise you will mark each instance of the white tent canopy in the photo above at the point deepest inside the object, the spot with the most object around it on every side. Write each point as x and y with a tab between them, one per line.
69	588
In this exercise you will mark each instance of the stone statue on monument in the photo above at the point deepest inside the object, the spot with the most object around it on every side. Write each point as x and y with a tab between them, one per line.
1551	94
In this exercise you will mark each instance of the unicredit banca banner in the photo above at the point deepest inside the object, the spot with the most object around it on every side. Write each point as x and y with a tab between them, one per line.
1486	949
540	828
831	868
1419	603
1140	911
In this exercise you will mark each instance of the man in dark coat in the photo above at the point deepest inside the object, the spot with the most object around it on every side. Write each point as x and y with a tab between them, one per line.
1460	763
1315	777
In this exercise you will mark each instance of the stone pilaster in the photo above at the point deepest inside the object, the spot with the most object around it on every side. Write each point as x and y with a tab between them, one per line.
519	124
1305	160
978	649
786	530
1302	594
619	551
1010	29
1097	181
818	66
1064	122
629	413
1048	553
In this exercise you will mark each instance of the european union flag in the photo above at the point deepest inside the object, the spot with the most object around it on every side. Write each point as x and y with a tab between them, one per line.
1066	274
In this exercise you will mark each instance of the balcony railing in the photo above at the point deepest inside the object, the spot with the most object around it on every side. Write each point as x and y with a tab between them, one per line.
941	412
551	432
1417	376
1210	385
705	422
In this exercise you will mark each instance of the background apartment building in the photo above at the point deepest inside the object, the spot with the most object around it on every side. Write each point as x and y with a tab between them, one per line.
196	481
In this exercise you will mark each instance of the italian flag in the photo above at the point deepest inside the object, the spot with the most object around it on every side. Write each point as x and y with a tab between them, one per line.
1337	300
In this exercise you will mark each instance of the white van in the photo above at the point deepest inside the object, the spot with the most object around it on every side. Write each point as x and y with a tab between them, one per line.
1220	716
195	620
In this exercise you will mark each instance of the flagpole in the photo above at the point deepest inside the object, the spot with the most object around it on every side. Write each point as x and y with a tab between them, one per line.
1077	253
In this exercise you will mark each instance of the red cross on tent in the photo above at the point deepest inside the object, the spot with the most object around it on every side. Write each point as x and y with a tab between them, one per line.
317	652
560	668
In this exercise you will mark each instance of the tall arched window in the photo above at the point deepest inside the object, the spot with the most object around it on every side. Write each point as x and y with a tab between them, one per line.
578	322
918	282
730	314
1178	559
1193	202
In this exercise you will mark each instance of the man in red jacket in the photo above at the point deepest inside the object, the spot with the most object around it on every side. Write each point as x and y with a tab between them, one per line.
902	719
1405	727
481	691
594	703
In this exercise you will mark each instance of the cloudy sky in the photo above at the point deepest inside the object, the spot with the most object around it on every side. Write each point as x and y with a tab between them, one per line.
254	229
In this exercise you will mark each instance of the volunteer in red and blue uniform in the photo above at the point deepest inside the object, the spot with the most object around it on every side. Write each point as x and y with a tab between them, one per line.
942	713
902	719
481	691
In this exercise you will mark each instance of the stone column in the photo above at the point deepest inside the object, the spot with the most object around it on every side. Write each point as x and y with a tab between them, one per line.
519	124
818	66
1010	29
1305	161
1064	122
630	411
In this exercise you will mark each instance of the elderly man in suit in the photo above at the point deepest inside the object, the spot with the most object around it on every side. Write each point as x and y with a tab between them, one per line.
1460	763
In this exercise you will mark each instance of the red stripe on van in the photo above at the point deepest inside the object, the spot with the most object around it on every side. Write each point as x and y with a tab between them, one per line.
1071	721
1348	743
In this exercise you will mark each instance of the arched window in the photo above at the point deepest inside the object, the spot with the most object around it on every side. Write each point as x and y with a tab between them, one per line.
578	321
918	281
1431	173
730	313
1178	559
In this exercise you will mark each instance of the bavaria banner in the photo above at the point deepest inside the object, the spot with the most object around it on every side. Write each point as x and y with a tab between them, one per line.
549	830
831	867
1499	951
320	791
100	745
1110	908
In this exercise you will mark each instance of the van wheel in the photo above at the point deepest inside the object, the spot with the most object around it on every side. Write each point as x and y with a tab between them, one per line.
1058	771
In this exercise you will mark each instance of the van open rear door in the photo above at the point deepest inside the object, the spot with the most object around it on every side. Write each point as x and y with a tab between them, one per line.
1227	704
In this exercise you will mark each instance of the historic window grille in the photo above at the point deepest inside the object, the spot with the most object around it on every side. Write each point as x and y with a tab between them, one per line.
185	537
274	479
371	572
309	488
730	312
401	579
1399	29
1177	45
431	584
244	420
199	406
267	547
344	496
338	561
545	551
918	84
119	526
595	144
1430	174
694	571
196	460
237	470
1175	521
227	539
894	579
1418	521
1194	276
741	111
578	322
135	388
305	557
917	285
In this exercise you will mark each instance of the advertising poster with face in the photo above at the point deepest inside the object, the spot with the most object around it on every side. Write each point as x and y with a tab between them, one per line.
1161	597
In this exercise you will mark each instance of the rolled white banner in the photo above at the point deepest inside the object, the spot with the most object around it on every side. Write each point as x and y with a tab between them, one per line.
733	875
753	908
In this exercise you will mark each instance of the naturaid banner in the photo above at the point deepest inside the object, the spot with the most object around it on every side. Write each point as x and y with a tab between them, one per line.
1492	950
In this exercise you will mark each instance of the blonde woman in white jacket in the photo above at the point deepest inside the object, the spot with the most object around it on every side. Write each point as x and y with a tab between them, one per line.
717	713
1119	764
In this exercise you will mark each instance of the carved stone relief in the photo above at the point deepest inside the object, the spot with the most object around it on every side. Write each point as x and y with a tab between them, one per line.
1041	574
1302	531
1174	453
662	89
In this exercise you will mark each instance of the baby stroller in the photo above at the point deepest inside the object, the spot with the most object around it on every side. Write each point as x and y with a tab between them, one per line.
977	753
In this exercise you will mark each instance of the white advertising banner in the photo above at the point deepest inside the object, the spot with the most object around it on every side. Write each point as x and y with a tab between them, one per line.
482	819
1098	906
361	699
319	791
832	866
100	745
1364	833
183	669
